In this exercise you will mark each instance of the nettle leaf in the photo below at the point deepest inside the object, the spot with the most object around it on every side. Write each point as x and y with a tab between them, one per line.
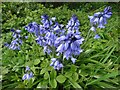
46	75
36	61
61	78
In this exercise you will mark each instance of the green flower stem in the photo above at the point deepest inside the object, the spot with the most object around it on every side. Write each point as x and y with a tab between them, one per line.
63	67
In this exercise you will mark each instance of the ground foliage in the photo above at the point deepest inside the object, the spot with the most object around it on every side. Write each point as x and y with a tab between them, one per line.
95	68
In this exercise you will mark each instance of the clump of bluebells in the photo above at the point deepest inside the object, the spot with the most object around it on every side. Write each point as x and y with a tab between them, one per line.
28	74
99	20
16	42
56	64
61	42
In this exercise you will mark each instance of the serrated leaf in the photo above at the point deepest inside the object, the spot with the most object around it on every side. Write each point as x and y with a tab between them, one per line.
61	78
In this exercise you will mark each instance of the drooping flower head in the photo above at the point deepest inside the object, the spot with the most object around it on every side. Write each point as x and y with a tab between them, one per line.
96	36
58	29
16	42
28	74
99	19
56	64
33	28
16	33
69	45
46	21
73	24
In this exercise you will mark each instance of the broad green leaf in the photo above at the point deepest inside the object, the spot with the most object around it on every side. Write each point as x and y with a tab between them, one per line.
68	74
61	78
73	68
46	75
4	70
36	61
74	84
113	74
75	76
20	86
43	71
29	63
33	69
53	83
42	84
53	74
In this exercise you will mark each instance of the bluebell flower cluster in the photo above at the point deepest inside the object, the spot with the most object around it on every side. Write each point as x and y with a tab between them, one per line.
46	33
33	28
28	74
96	36
69	45
16	42
64	40
73	24
56	64
99	19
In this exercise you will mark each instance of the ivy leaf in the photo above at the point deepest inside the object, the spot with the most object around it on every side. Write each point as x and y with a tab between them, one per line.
61	78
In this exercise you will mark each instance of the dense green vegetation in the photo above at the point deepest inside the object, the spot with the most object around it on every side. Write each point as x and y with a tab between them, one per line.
95	68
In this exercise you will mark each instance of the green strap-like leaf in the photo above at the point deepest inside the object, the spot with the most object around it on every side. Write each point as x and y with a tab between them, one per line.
61	78
75	84
113	74
53	83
